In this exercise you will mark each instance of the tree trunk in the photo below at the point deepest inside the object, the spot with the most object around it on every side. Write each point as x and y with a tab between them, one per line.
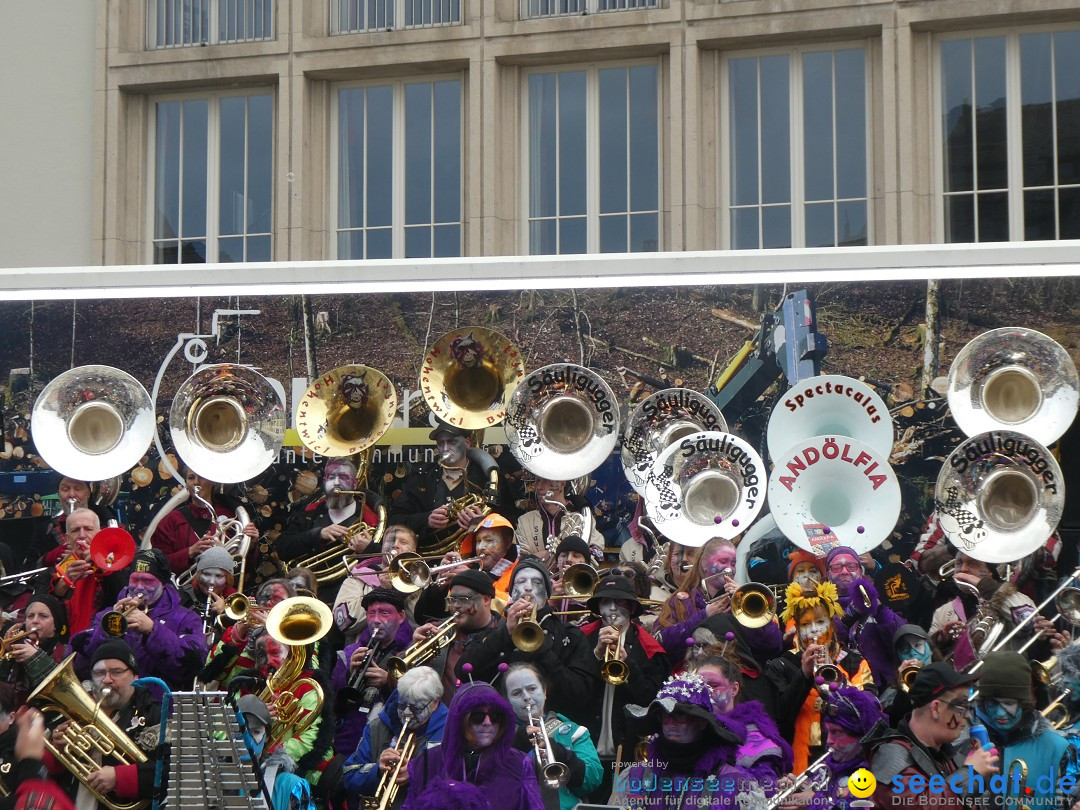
930	337
309	343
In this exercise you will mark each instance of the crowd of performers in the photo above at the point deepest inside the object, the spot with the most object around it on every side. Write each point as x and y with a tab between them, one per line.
648	690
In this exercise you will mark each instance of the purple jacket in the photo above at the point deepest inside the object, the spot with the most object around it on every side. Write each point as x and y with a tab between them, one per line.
174	650
871	633
350	724
503	775
763	641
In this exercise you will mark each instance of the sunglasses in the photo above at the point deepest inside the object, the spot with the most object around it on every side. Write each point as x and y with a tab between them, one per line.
480	715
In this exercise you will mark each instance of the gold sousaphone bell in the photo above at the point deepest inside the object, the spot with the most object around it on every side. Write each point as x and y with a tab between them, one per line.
346	411
468	376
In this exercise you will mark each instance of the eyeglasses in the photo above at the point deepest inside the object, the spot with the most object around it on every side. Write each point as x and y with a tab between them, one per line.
839	568
480	715
112	673
414	708
628	573
454	602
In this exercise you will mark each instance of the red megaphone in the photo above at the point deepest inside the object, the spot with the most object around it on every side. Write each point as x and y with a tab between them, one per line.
112	549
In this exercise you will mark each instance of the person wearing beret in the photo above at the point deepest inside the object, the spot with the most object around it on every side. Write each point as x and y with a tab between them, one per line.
562	656
167	638
388	632
114	667
46	617
425	498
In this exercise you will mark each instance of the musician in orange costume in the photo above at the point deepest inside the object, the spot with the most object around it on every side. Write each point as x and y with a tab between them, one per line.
797	673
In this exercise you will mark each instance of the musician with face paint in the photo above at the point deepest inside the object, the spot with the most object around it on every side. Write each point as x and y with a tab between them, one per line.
563	655
847	715
212	583
167	638
526	688
795	673
540	531
911	648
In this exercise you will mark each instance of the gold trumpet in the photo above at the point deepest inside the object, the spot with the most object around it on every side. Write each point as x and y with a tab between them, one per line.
388	787
614	670
409	573
753	605
423	651
528	636
6	644
907	675
90	732
241	610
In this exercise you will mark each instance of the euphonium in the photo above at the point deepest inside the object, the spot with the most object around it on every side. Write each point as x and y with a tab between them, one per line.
297	623
753	605
228	533
90	730
424	651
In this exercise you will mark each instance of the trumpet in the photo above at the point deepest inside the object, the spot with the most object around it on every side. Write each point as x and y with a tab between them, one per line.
388	787
554	774
614	670
6	644
528	636
906	677
1057	706
240	609
422	652
816	773
753	605
409	573
114	623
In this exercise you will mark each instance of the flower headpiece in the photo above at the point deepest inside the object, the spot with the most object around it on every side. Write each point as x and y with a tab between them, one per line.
825	595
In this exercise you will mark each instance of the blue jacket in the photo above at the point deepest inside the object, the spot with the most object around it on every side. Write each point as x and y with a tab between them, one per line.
1048	755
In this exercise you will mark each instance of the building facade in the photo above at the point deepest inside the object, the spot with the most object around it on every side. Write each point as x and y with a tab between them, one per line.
230	130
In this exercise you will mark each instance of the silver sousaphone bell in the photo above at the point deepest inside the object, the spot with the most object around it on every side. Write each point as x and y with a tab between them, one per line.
1014	379
999	496
227	423
829	491
662	419
562	421
705	485
92	423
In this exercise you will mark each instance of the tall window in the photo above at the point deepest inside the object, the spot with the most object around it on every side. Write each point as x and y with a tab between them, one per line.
1010	130
593	160
213	165
399	170
797	158
184	23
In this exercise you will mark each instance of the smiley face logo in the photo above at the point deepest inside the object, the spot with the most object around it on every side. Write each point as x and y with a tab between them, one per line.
861	783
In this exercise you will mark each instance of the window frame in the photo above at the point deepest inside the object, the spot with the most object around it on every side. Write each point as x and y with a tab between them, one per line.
592	150
213	166
213	30
796	134
1014	168
398	225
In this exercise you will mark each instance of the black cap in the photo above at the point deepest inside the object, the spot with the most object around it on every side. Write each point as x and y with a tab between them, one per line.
115	649
934	680
453	430
387	596
614	588
476	580
574	542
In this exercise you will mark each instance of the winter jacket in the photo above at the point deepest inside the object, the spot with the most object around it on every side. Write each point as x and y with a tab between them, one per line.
895	756
572	747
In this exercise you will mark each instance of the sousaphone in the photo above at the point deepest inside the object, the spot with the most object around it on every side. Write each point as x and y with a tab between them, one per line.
830	405
829	491
468	377
93	423
705	485
346	411
227	423
1014	379
562	421
999	496
664	418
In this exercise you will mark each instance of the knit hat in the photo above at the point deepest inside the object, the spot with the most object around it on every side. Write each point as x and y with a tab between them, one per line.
535	564
115	649
614	588
56	608
216	557
1006	675
573	543
687	694
852	709
837	551
476	580
387	596
800	556
152	561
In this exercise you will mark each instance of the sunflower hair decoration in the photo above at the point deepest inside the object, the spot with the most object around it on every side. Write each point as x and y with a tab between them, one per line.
825	595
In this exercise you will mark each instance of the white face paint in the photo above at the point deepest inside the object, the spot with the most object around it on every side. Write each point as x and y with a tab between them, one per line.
451	449
811	631
415	713
523	688
614	613
212	578
807	576
529	583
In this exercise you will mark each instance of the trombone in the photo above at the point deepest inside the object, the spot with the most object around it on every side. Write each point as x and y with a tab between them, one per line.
409	573
388	787
753	605
553	773
579	581
423	651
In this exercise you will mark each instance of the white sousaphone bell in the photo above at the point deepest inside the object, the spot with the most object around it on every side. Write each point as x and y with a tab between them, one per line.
93	423
562	421
705	485
660	420
227	423
1014	379
829	491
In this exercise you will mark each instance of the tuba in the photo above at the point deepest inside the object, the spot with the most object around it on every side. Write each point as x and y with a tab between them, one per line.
227	423
59	693
562	422
297	623
93	423
706	485
468	376
660	421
